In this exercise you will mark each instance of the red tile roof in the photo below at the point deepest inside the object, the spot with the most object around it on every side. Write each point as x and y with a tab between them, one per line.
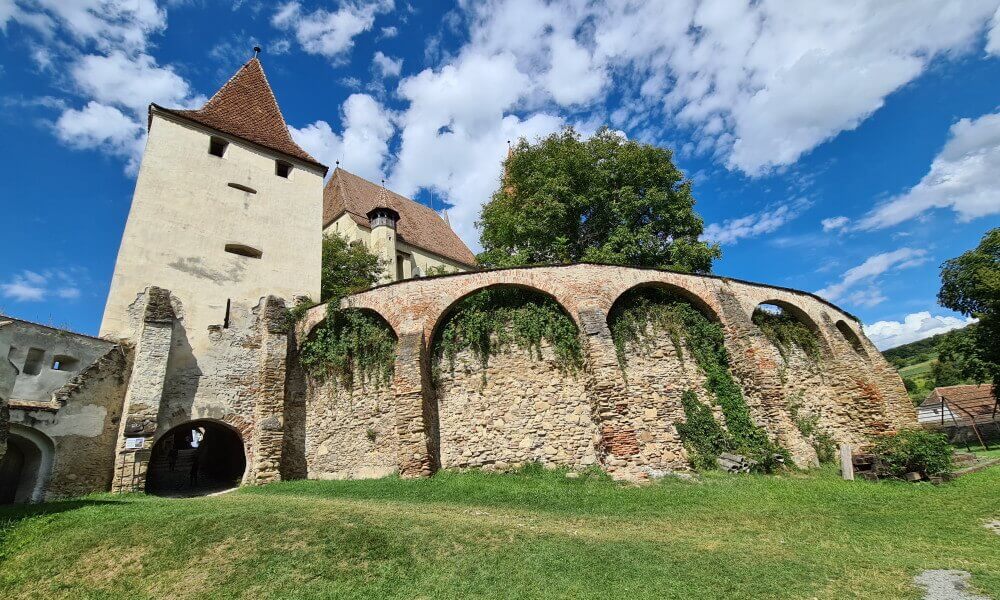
418	225
966	402
245	107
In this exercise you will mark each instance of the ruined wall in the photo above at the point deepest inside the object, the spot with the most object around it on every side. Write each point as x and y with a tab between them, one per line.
527	410
81	420
350	433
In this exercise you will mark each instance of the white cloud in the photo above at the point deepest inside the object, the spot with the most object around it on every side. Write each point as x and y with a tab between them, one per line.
387	66
573	77
915	326
834	223
993	37
868	271
132	82
455	129
388	32
363	146
100	127
329	33
109	24
731	231
31	286
962	177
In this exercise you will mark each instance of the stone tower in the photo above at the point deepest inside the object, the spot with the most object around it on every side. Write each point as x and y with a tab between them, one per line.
227	208
225	229
383	238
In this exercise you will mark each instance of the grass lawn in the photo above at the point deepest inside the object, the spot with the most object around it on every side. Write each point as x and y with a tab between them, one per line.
922	369
527	535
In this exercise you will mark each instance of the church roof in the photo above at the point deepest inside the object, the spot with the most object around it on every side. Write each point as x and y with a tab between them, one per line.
245	107
418	225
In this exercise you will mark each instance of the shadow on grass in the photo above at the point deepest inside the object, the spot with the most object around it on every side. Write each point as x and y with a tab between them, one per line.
12	514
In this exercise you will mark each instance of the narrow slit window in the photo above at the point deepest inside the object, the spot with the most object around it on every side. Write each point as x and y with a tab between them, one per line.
242	188
225	321
244	250
282	168
217	146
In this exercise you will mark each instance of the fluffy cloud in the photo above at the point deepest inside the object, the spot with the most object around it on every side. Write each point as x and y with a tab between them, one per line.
962	177
31	286
867	272
993	37
108	24
131	82
834	223
915	326
766	221
363	146
329	33
455	129
387	66
101	127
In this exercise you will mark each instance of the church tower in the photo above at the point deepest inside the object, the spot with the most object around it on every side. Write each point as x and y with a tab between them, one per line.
227	208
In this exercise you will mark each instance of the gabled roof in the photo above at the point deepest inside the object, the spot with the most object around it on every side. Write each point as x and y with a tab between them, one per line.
245	107
966	402
418	225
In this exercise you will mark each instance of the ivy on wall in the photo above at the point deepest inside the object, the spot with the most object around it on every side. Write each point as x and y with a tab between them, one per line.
492	320
636	321
786	332
350	346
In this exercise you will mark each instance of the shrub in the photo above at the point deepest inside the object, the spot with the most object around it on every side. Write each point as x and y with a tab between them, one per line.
914	450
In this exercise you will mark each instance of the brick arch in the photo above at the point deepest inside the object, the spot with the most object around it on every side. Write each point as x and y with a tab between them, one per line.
681	291
443	315
852	338
310	325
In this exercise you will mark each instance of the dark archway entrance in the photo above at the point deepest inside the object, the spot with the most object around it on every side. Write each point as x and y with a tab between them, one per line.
23	466
196	458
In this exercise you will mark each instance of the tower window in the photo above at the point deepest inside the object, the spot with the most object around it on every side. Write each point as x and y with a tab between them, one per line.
217	146
242	188
61	362
33	362
282	168
243	250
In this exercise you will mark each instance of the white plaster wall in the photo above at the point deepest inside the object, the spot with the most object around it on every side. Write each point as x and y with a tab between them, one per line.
184	213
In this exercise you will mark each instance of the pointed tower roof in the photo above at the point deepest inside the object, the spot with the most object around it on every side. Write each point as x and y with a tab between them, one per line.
245	107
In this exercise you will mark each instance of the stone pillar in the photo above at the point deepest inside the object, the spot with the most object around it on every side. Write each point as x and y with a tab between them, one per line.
8	374
608	396
416	407
145	390
268	436
754	364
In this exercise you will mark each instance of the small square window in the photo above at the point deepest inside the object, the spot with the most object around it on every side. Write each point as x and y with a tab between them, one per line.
282	169
217	146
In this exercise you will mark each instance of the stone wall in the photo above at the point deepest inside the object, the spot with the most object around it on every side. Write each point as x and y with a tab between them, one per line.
524	410
350	433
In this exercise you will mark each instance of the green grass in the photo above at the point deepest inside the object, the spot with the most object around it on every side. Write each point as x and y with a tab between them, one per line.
922	369
528	535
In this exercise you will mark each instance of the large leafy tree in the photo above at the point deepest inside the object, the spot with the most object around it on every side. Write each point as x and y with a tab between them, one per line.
346	268
970	284
603	199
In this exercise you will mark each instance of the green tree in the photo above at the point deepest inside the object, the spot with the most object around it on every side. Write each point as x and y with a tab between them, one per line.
970	284
605	199
348	267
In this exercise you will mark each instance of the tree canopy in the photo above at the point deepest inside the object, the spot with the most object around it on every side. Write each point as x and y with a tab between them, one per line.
970	284
604	199
346	268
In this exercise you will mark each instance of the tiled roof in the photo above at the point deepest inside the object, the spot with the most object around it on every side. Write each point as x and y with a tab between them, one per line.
418	225
965	401
246	108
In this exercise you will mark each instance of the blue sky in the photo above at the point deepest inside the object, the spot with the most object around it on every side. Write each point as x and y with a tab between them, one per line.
842	148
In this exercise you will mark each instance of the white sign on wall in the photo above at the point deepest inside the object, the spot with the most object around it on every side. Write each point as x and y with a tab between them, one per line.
134	443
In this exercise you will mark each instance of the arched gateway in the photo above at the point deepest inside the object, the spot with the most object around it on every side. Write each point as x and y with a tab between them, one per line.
196	458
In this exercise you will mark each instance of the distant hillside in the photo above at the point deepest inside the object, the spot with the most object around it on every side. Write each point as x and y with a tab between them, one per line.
916	361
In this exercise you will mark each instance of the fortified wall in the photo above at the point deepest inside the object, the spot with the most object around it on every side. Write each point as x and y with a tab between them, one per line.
520	408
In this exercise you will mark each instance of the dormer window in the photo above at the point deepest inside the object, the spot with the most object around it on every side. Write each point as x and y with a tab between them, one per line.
282	168
217	146
383	216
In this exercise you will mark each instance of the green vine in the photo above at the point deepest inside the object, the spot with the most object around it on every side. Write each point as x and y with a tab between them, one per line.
490	321
808	425
635	321
786	332
350	346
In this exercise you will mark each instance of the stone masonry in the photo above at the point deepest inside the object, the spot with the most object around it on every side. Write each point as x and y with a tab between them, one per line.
529	411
